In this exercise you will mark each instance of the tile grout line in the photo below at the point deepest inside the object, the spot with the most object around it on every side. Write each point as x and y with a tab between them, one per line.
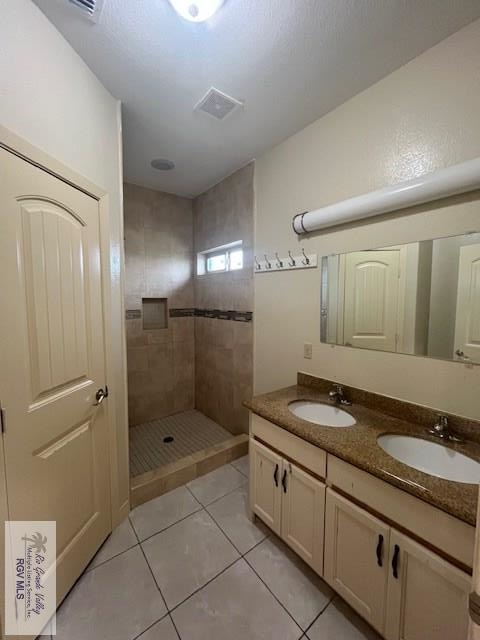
158	587
231	541
169	611
241	557
200	507
140	542
320	613
271	592
220	497
100	564
204	585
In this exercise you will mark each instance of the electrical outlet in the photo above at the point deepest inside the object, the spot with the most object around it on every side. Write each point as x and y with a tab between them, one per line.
307	350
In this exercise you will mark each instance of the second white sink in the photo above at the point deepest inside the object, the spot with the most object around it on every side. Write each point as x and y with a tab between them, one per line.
432	458
322	414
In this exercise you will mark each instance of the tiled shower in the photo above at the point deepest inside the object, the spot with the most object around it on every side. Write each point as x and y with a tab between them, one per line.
189	336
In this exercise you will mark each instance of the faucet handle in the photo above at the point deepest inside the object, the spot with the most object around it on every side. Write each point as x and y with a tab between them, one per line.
442	419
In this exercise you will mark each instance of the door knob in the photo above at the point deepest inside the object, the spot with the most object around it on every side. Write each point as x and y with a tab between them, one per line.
100	396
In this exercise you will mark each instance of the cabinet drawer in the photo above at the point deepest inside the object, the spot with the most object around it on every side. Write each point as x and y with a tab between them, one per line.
307	455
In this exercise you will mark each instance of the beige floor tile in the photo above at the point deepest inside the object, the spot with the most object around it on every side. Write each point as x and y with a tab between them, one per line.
231	513
340	622
297	587
242	465
121	539
216	484
116	601
234	606
188	555
161	512
163	630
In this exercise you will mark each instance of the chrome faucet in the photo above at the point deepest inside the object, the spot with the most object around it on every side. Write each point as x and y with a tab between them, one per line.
441	429
337	396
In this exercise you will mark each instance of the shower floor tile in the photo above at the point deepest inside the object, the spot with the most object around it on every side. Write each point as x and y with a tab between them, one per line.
191	432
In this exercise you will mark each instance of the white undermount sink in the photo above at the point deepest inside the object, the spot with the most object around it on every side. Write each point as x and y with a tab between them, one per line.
322	414
430	457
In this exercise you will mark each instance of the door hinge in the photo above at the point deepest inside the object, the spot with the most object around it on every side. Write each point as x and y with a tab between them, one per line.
3	420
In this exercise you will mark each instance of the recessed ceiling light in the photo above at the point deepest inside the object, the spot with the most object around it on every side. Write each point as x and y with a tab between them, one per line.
162	165
196	10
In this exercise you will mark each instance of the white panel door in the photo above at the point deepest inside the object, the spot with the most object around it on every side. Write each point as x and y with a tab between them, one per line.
356	557
467	324
265	495
52	361
427	596
303	514
371	299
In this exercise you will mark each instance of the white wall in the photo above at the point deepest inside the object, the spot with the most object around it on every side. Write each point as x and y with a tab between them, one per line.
49	97
422	117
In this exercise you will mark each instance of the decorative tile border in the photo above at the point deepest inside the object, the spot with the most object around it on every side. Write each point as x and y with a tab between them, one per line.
218	314
133	314
181	313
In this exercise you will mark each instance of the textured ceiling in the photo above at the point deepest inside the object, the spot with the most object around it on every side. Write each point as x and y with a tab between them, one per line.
291	61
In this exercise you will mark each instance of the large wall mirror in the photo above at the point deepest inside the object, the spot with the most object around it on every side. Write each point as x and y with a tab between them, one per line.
421	298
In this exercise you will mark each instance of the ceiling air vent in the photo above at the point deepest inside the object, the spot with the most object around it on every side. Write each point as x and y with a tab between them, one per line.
217	104
90	8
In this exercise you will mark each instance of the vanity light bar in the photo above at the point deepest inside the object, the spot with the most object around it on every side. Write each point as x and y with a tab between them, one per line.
459	178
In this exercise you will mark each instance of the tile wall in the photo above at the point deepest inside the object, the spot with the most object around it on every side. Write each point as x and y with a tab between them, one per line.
224	347
159	263
204	359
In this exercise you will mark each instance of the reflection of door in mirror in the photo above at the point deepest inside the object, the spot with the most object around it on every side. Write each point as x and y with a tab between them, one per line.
372	298
467	324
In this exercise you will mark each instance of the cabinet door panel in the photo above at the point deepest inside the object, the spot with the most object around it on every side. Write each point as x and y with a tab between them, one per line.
265	475
356	553
429	598
303	511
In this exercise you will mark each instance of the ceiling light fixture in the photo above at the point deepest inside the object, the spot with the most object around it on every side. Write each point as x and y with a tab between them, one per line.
196	10
162	165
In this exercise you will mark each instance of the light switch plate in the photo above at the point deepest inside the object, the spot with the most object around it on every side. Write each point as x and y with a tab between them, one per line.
307	350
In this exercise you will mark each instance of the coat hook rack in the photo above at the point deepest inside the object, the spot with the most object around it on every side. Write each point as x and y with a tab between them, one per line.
288	263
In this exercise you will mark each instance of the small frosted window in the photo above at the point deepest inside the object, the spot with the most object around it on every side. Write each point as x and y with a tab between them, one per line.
236	259
154	312
228	257
217	262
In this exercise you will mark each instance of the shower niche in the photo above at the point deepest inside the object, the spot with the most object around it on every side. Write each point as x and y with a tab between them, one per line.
155	313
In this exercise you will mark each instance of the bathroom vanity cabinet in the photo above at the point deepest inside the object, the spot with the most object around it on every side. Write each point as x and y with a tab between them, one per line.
290	501
401	563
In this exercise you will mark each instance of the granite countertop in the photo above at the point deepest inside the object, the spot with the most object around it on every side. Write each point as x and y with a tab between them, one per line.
358	446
